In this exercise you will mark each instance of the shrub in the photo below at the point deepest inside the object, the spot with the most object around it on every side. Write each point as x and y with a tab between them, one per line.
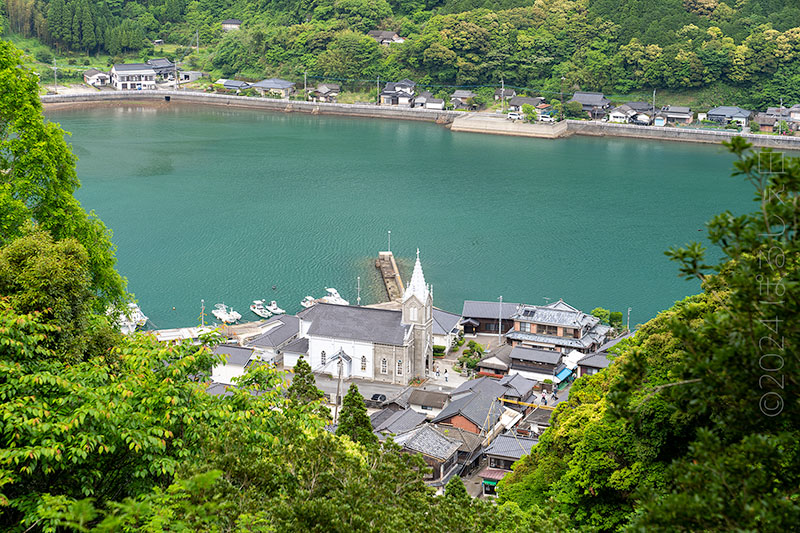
438	348
72	61
43	55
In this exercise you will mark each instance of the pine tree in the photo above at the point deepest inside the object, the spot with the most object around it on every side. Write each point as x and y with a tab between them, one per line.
303	389
88	40
354	421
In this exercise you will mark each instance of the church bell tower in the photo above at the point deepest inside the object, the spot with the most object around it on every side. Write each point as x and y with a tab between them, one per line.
418	313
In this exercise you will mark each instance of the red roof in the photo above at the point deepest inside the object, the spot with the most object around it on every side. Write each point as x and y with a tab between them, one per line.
493	473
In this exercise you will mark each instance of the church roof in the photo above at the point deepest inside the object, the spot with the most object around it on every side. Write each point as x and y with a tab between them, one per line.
417	287
355	323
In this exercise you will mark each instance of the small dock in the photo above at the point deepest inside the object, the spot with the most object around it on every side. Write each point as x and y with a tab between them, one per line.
391	275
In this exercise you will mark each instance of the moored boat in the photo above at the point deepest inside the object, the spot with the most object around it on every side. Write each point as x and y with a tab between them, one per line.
273	308
308	301
258	308
130	319
333	297
225	314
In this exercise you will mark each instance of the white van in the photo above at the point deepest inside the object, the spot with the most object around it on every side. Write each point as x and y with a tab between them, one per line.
515	116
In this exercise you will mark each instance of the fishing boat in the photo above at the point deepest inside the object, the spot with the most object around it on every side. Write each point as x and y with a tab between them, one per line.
130	319
308	301
258	308
225	314
273	308
333	297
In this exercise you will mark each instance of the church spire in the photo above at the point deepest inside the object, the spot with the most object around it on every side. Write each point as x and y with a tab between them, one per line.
417	286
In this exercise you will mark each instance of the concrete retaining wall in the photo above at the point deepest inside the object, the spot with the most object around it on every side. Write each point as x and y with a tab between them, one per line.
597	128
196	97
483	123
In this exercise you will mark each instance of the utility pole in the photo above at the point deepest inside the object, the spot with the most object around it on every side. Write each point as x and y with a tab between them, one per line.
197	38
175	70
338	390
305	83
390	240
629	320
654	104
378	85
780	117
358	288
562	97
502	95
55	76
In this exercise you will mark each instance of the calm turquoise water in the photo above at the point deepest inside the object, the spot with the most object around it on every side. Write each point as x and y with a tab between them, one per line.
222	205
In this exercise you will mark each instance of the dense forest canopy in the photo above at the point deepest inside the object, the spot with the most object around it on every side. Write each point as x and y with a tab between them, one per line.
616	46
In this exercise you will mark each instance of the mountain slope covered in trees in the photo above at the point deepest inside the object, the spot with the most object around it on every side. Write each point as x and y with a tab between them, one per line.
614	46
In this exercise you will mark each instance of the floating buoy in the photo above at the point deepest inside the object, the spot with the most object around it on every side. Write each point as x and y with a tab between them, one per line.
273	287
173	308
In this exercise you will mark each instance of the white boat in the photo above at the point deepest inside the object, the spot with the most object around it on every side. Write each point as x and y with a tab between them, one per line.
130	319
225	314
273	308
308	301
333	297
258	308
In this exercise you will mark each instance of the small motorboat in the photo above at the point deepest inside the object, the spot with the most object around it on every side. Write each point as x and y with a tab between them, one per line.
258	308
308	301
130	319
273	308
225	314
333	297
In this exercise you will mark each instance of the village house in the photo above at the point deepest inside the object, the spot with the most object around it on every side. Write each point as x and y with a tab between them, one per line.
596	361
324	92
428	403
138	76
388	423
238	358
231	24
506	93
676	114
794	113
476	406
96	78
398	93
274	86
385	37
446	328
277	333
516	102
163	67
470	451
426	100
483	317
439	452
622	114
232	85
501	454
593	104
730	114
460	99
557	326
545	110
765	121
189	75
394	346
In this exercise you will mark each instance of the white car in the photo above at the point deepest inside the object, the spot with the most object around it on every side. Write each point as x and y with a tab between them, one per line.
547	118
515	116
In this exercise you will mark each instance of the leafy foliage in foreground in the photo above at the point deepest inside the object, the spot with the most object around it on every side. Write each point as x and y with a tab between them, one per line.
695	426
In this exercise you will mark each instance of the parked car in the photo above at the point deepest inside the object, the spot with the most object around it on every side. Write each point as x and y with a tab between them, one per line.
547	118
375	401
378	398
515	116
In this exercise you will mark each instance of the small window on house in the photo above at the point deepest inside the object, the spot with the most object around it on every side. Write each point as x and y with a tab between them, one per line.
323	358
399	367
384	366
413	314
363	363
525	327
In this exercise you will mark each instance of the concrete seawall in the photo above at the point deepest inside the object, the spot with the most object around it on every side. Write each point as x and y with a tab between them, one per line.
601	129
458	121
267	104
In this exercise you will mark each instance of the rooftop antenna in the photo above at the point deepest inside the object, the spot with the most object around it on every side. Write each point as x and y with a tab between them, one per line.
358	288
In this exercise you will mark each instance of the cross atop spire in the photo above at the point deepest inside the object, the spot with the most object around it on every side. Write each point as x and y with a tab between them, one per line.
417	285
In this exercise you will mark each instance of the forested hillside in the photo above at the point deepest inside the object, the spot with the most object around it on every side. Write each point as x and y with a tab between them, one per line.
750	47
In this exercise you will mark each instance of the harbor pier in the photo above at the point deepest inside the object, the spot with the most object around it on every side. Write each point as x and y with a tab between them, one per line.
391	275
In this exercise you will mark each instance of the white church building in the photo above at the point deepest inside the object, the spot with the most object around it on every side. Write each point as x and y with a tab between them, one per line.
394	346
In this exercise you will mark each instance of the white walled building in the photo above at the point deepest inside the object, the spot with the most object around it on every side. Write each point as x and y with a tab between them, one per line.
238	357
376	344
135	76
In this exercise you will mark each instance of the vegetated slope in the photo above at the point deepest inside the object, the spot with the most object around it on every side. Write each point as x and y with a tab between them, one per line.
608	45
694	427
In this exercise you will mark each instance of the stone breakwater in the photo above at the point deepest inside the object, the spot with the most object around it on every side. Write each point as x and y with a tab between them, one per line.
456	120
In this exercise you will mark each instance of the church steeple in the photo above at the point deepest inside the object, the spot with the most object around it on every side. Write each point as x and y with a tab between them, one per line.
417	286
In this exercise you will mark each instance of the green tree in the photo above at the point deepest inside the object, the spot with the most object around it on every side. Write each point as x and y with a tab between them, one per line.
353	419
615	319
574	110
603	314
303	391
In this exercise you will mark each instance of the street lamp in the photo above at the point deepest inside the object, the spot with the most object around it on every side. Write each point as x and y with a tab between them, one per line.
390	240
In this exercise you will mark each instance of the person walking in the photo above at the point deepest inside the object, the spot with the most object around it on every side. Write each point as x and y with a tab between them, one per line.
445	375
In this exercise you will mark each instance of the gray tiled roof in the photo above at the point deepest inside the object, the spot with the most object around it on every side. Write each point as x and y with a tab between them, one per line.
235	84
478	309
444	322
237	355
379	417
517	385
469	441
428	398
231	21
400	422
355	323
429	441
613	342
481	409
463	94
729	111
536	356
94	72
640	106
160	62
273	83
125	67
595	360
502	356
592	99
675	109
510	447
402	398
557	313
283	328
297	346
483	384
522	100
